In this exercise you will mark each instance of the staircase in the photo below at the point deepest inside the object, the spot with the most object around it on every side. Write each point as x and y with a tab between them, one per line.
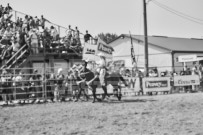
18	59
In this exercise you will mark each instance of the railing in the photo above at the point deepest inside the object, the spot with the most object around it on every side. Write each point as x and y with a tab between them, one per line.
17	58
19	51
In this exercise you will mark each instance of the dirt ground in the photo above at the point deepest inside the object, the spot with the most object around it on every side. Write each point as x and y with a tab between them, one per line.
176	114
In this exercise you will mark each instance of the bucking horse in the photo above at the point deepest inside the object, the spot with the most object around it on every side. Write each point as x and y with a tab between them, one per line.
93	82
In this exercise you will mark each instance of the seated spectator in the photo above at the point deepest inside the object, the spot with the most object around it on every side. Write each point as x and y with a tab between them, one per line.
87	36
194	71
153	73
127	73
2	31
8	34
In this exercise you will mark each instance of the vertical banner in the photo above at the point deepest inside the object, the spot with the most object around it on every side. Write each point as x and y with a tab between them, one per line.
132	52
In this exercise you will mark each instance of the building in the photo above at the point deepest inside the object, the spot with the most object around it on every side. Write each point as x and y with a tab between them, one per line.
163	51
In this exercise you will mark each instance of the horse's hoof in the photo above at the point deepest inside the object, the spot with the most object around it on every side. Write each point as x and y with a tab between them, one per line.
99	100
76	100
93	101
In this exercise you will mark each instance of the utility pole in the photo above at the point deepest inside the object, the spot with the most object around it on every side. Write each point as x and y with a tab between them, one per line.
145	39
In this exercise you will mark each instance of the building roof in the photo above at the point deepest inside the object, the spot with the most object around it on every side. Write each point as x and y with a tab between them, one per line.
171	43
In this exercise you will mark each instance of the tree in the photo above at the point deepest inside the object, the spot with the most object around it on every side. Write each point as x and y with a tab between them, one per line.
108	37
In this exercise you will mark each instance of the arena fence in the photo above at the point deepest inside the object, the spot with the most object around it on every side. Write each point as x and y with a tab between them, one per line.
38	83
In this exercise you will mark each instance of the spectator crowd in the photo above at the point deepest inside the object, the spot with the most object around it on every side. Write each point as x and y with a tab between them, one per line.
33	32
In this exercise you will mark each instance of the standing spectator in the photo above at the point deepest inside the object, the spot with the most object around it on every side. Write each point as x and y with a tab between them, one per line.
8	8
1	11
77	36
32	23
54	33
25	22
34	42
87	36
21	23
22	37
69	35
18	22
37	22
42	21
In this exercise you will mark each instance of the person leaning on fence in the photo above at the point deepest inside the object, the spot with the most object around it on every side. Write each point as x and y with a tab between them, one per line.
6	81
35	85
59	85
71	84
21	91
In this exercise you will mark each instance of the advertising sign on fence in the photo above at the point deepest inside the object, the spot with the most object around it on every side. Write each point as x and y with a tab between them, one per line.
186	80
156	84
133	85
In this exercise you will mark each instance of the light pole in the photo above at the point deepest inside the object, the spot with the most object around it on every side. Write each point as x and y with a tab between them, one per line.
145	39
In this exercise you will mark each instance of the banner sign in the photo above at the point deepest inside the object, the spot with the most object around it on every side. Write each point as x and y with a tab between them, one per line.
89	52
156	84
103	49
186	80
187	58
133	85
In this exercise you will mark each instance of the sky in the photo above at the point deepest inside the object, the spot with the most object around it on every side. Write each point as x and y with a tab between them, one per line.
117	16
